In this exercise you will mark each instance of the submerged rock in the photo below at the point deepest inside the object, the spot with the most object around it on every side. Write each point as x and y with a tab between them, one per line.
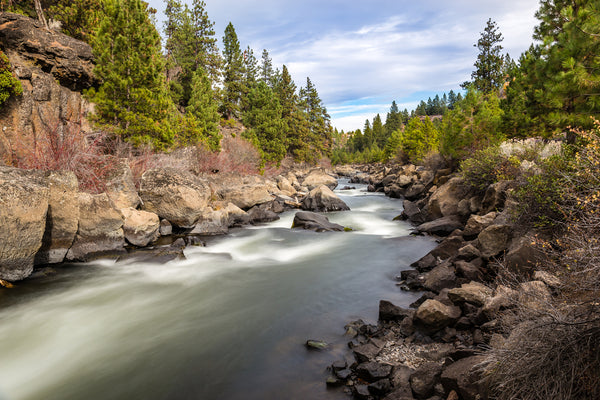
316	344
315	222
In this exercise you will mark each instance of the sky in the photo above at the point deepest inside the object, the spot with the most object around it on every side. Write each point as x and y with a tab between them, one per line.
362	55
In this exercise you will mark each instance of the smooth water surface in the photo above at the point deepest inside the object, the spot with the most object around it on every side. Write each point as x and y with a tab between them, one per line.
229	322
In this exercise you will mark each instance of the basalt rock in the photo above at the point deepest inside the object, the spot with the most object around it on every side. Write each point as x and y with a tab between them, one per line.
323	199
315	222
140	227
318	177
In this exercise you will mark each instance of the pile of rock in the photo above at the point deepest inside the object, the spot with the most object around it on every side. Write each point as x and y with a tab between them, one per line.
46	220
432	349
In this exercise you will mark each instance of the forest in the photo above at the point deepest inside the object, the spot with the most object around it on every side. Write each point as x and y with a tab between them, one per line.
175	94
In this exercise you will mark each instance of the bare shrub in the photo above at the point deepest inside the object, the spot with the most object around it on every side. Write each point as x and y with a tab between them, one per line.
63	146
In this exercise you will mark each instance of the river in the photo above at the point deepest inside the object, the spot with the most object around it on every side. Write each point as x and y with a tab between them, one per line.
230	322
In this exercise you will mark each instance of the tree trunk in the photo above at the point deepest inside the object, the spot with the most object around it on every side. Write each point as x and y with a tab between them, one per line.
40	13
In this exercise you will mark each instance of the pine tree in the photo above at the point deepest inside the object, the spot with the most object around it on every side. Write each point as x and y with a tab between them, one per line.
266	125
133	97
202	113
286	92
266	68
488	77
393	121
378	132
233	74
318	119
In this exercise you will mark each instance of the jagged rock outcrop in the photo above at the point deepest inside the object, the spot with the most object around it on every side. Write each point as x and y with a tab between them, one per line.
53	68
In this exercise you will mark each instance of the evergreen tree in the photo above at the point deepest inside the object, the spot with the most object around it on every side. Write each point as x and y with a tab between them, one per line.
378	132
488	77
79	18
318	119
286	92
266	68
202	113
190	44
133	97
369	139
267	126
233	81
393	120
421	109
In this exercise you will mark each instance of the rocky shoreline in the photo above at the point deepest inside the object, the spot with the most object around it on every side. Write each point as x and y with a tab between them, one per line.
47	221
435	348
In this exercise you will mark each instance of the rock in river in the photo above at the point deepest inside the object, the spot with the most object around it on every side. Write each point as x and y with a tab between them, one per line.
323	199
313	221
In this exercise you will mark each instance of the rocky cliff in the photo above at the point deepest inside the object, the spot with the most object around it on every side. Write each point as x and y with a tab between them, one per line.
53	69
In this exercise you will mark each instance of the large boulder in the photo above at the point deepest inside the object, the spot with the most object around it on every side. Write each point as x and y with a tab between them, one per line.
493	240
323	199
318	177
440	277
495	196
62	219
523	254
434	315
424	379
246	196
140	227
441	226
177	196
444	201
23	208
315	222
391	312
412	212
212	222
100	229
120	187
285	186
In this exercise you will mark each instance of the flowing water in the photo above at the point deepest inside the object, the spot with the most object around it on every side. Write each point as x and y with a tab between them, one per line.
229	322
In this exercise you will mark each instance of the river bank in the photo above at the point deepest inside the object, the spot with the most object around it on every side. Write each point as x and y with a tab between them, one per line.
436	348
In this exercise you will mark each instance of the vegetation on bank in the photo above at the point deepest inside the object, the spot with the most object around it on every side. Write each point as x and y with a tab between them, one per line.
177	95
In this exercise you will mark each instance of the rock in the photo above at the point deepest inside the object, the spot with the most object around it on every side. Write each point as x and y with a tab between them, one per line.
316	344
400	394
493	240
403	180
165	228
373	371
495	196
361	392
433	315
323	199
285	185
120	187
315	222
318	177
425	263
549	279
245	196
259	214
477	223
414	191
468	252
424	379
100	229
441	226
504	297
212	222
62	218
154	255
380	388
535	293
412	212
177	196
473	293
69	60
400	376
140	227
391	312
448	248
522	255
440	277
23	208
468	270
444	201
462	376
366	352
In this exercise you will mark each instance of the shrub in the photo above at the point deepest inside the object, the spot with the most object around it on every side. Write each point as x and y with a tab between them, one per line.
9	84
488	166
